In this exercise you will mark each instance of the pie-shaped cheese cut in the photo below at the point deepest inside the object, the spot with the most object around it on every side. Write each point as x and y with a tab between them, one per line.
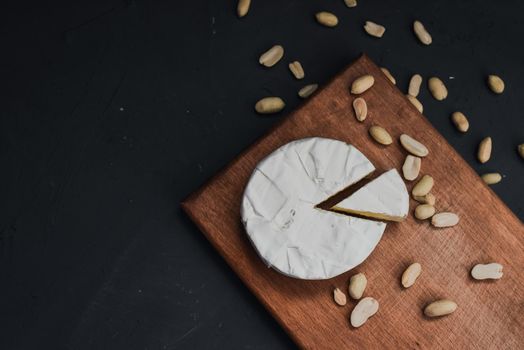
280	216
384	198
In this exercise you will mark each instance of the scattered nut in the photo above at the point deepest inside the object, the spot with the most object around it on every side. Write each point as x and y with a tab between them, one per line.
374	29
437	88
416	103
411	274
414	85
297	70
243	7
424	211
444	219
423	186
491	178
271	56
484	151
426	199
487	271
357	285
388	74
413	146
421	33
362	84
380	135
440	308
520	148
307	90
351	3
366	308
269	105
411	167
460	121
361	108
339	297
496	84
327	19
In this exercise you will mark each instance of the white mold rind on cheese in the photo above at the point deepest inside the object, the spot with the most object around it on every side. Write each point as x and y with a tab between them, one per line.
279	214
384	198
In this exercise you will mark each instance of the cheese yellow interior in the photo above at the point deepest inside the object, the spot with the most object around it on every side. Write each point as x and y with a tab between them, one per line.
377	216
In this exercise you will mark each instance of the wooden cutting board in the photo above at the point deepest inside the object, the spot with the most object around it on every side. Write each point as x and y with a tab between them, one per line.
490	313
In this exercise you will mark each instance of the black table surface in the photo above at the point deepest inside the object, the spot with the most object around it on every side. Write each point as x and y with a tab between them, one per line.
114	111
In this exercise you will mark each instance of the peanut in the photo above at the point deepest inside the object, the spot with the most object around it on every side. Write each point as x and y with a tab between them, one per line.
411	167
491	178
357	285
327	19
269	105
444	219
423	186
484	151
413	146
496	84
411	274
362	84
487	271
421	33
424	211
339	297
460	121
365	308
243	7
426	199
440	308
297	70
361	109
271	56
415	102
380	135
374	29
307	90
388	74
414	85
437	88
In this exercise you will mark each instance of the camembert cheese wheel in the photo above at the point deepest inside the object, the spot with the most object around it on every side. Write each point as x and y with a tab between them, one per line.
282	221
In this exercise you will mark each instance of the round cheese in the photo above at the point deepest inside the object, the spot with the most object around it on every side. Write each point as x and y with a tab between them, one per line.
281	219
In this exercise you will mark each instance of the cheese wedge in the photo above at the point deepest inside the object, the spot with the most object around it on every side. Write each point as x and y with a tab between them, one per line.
384	198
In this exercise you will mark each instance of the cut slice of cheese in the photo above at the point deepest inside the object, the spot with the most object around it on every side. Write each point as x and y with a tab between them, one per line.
384	198
278	209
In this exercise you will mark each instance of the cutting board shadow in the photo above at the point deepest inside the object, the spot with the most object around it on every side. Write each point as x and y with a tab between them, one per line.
490	314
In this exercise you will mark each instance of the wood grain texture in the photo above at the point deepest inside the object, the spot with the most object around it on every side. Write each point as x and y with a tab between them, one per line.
490	314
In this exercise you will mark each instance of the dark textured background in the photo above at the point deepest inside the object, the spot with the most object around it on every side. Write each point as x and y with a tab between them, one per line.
114	111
